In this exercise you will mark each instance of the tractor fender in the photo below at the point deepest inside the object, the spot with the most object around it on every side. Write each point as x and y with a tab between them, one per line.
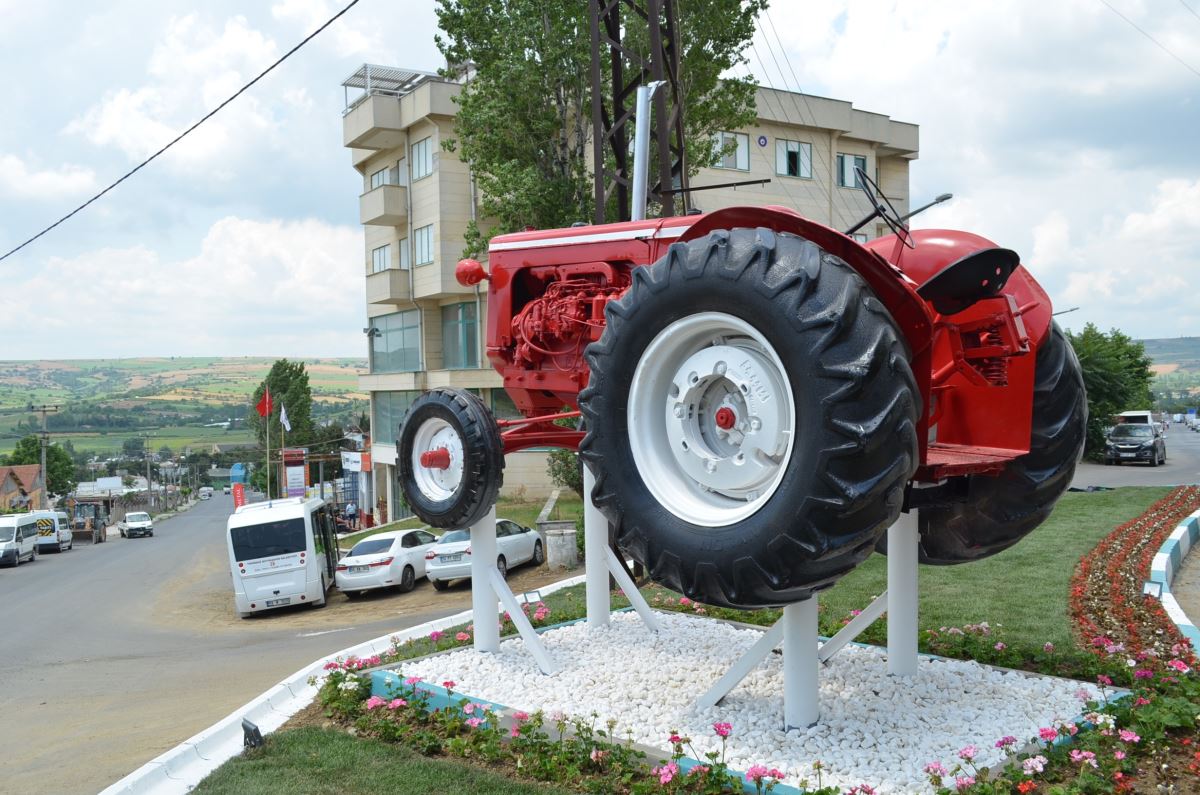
937	248
897	292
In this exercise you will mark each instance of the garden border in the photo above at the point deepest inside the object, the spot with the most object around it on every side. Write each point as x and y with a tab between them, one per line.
181	768
1166	563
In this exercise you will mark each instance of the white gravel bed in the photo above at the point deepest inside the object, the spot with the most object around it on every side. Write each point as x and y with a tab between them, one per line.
874	729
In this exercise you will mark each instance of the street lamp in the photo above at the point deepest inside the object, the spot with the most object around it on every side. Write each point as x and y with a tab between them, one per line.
945	197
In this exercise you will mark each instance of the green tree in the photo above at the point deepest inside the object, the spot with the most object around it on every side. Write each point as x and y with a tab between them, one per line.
524	119
134	447
59	466
288	382
1117	375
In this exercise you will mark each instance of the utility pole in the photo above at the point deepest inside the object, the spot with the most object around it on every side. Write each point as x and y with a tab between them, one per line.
44	409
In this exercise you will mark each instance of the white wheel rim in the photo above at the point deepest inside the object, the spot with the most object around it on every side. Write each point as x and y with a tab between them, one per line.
703	473
437	484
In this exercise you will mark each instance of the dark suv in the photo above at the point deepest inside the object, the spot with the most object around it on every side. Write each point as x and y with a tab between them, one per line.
1135	442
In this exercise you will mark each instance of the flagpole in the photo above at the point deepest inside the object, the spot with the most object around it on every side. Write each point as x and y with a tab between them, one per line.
268	455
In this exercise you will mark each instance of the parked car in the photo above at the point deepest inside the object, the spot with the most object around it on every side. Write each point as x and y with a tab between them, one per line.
206	492
1135	442
54	532
137	523
394	559
228	489
450	559
18	539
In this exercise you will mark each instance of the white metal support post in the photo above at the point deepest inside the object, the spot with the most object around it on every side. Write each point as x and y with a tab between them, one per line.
488	590
485	607
595	546
801	690
902	596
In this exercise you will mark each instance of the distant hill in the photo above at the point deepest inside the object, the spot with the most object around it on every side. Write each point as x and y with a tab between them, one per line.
1176	384
1183	352
181	401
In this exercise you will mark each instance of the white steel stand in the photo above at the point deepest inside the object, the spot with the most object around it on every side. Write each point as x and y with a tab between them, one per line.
489	589
600	561
797	630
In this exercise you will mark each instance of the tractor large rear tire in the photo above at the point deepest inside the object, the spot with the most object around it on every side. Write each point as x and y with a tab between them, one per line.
461	494
770	360
1002	510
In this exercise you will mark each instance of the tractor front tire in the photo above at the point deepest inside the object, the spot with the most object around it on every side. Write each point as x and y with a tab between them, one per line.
462	493
1000	511
751	419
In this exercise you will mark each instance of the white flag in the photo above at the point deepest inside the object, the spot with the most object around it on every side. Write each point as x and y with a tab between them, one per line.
283	420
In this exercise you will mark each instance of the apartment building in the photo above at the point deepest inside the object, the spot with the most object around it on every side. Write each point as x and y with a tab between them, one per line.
424	330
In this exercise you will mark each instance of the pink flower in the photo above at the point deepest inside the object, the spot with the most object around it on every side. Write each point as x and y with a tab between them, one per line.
449	684
861	789
514	730
1143	673
1083	757
520	717
936	769
1141	701
436	635
1000	646
1034	764
412	680
675	739
1104	680
962	782
722	729
1083	695
332	666
1118	755
967	752
462	637
666	772
698	770
598	756
777	774
474	723
684	601
1179	665
756	773
374	702
1006	741
558	716
855	612
397	703
469	708
1128	736
1048	647
1047	734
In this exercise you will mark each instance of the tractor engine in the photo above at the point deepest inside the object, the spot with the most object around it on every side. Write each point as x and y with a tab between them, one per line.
552	330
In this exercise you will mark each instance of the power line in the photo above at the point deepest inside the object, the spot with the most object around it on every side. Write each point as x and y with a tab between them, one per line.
1190	9
1157	43
181	136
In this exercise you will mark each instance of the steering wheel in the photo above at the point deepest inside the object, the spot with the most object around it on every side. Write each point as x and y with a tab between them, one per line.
884	210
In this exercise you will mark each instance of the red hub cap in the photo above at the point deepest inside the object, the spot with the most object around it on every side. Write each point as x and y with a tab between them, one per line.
436	459
725	418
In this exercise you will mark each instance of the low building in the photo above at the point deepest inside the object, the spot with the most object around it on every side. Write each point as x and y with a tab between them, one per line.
29	487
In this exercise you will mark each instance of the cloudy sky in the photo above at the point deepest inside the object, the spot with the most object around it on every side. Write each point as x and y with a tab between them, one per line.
1063	132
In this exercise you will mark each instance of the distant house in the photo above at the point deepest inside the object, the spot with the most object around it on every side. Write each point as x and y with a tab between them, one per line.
219	476
29	486
230	447
237	474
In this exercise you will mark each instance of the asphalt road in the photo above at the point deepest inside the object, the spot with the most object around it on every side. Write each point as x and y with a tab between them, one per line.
110	655
1182	467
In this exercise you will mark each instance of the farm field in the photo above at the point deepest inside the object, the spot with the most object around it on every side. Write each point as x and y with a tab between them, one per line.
180	402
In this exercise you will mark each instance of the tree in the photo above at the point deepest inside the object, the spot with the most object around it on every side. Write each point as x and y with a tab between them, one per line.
289	387
59	466
1117	375
134	447
524	119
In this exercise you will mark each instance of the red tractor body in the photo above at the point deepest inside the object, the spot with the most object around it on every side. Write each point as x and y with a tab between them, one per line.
548	291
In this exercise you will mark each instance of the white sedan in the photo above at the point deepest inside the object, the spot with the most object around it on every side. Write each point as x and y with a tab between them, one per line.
385	560
451	558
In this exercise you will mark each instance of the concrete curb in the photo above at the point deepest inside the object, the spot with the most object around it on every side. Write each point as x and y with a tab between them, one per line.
187	764
1166	563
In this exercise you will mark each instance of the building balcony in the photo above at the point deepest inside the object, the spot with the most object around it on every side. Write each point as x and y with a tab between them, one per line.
386	205
374	123
388	286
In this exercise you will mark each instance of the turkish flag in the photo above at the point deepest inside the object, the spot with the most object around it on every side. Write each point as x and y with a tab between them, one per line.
264	404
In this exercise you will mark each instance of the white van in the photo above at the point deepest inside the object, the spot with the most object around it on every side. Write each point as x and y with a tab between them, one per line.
206	492
18	539
54	534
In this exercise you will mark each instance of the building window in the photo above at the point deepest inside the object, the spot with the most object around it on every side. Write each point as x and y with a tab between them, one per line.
423	245
460	348
793	158
381	259
859	237
396	342
380	177
403	246
422	158
847	177
733	150
389	410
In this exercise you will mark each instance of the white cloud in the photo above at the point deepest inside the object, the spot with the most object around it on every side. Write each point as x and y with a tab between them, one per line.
253	287
21	181
352	35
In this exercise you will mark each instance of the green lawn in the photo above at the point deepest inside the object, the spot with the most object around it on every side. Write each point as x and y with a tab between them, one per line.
323	761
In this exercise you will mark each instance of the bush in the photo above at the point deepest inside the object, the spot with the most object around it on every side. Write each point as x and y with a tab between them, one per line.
565	470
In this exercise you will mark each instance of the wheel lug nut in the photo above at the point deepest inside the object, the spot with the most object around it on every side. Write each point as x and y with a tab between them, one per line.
720	368
710	465
755	423
679	411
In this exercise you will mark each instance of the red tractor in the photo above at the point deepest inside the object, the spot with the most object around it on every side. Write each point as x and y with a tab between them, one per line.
760	395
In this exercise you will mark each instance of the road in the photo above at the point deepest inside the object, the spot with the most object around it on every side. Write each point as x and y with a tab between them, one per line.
1182	467
110	655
